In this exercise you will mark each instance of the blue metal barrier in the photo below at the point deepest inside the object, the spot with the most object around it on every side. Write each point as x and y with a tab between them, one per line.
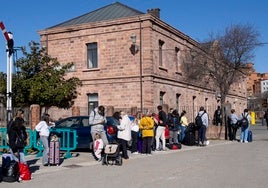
4	140
67	138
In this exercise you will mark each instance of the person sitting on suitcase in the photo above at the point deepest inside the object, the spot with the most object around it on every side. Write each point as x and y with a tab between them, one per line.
98	147
43	128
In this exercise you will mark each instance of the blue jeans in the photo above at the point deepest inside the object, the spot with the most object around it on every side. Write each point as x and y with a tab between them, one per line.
244	134
202	134
21	157
44	140
182	133
173	137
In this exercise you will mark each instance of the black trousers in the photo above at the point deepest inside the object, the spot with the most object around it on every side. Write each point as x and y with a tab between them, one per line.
146	145
232	129
134	144
123	146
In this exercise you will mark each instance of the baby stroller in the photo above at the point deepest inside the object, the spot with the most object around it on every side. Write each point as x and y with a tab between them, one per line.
112	155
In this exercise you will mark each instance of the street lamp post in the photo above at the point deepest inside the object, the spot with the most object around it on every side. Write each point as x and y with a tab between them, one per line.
9	49
134	49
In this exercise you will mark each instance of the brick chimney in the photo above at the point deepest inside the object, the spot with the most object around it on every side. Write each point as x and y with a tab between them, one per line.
154	11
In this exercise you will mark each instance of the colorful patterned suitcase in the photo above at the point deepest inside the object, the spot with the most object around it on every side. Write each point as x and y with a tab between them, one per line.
54	153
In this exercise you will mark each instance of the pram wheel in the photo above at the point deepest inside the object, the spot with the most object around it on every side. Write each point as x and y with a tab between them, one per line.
104	160
119	161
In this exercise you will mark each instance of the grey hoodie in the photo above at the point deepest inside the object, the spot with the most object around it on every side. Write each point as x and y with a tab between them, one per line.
96	121
204	118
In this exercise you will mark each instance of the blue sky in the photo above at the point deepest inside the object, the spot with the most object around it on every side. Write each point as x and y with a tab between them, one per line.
196	18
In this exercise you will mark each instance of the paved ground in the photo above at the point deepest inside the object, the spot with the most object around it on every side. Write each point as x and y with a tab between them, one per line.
222	163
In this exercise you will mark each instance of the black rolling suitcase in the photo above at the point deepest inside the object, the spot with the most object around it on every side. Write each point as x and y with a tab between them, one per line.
189	138
54	153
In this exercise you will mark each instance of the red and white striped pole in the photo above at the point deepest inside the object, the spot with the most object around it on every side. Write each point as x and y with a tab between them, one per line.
10	43
2	26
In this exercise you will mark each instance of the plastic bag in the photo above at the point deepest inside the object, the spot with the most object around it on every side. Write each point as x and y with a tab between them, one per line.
25	173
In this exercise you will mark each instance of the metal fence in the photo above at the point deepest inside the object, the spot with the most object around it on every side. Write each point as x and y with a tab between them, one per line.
67	139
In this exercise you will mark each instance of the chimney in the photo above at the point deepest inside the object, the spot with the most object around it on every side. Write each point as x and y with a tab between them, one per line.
154	11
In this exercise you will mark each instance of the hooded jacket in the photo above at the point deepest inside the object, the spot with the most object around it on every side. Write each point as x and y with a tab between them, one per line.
17	129
124	129
97	121
147	126
204	117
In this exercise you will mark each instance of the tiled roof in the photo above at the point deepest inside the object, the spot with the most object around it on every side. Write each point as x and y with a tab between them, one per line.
109	12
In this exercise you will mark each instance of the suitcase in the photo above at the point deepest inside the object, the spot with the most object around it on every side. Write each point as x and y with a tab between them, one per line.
250	136
189	139
54	153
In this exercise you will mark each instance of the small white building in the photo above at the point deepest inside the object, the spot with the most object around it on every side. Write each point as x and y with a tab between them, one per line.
264	86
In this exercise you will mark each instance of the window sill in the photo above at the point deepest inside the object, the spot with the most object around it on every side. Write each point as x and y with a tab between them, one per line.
91	70
178	73
162	68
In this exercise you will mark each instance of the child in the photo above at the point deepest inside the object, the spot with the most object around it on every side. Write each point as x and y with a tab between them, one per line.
98	146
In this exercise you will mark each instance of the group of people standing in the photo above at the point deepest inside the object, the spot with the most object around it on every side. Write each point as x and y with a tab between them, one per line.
151	128
234	122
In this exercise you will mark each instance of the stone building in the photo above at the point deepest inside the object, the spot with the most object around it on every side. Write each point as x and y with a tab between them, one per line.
128	59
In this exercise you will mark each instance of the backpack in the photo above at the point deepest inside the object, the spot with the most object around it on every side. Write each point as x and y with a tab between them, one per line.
198	121
11	172
244	121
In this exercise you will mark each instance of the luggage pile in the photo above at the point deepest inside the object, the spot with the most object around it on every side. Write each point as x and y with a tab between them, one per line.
14	171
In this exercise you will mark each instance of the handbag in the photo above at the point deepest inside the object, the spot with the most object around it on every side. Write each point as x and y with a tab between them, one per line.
166	132
19	142
24	170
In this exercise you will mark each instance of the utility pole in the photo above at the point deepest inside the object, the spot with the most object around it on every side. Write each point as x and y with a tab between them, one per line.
9	49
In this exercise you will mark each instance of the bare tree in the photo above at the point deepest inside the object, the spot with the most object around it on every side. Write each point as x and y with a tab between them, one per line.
224	56
221	61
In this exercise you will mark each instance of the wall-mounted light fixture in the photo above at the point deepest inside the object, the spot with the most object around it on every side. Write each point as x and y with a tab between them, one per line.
133	48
